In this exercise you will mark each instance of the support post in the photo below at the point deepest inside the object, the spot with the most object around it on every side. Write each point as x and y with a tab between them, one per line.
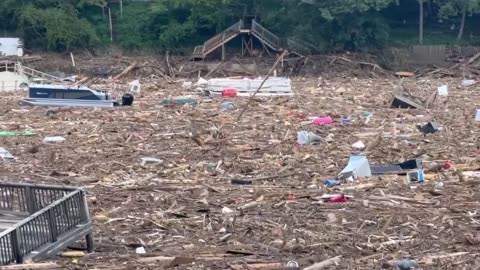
86	217
89	240
223	52
243	46
16	250
52	225
30	200
251	44
265	48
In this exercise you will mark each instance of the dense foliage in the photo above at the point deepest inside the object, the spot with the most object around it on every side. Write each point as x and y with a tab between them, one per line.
178	25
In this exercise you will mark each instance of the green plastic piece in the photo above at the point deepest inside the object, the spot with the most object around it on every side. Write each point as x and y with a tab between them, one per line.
179	101
14	133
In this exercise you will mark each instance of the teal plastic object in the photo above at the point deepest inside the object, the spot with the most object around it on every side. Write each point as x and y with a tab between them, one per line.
179	101
14	133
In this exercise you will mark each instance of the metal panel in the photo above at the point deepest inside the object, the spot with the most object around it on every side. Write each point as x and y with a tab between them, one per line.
274	85
69	102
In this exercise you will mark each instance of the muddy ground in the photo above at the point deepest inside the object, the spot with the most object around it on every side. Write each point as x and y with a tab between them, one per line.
186	210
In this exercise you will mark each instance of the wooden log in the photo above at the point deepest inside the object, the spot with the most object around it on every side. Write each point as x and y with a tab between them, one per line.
126	71
33	266
323	264
473	58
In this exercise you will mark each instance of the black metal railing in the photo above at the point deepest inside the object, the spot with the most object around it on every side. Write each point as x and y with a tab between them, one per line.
266	35
296	46
220	38
51	212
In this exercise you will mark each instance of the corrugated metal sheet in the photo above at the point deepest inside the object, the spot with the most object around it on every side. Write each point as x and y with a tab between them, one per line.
273	86
11	47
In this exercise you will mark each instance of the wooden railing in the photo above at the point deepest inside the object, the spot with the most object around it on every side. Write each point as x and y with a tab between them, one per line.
217	40
198	50
30	72
297	47
268	36
35	73
54	212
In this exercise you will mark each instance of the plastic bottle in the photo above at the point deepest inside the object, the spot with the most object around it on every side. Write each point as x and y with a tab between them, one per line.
54	139
305	137
227	106
330	183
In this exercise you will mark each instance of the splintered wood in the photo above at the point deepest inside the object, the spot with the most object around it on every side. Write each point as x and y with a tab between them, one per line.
160	189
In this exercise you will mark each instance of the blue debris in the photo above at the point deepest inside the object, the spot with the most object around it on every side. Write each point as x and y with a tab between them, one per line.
407	264
331	183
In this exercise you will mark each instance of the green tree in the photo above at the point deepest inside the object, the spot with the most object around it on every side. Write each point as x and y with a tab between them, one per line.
177	21
50	24
456	8
354	23
62	27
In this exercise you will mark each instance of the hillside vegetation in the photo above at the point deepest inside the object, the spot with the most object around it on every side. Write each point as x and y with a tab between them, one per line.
178	25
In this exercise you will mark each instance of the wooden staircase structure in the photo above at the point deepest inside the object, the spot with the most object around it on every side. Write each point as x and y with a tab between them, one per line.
18	68
267	38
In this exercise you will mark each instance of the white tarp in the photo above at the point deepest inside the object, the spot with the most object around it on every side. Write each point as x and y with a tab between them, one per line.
10	81
11	47
273	86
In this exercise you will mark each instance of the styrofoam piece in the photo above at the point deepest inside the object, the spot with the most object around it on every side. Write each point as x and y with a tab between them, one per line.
140	250
5	155
148	160
358	145
477	116
468	82
443	90
187	85
54	139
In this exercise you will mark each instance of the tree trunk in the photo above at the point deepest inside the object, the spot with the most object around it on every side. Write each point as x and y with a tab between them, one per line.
462	24
420	22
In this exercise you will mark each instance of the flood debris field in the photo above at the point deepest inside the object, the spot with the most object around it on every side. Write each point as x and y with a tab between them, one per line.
185	212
